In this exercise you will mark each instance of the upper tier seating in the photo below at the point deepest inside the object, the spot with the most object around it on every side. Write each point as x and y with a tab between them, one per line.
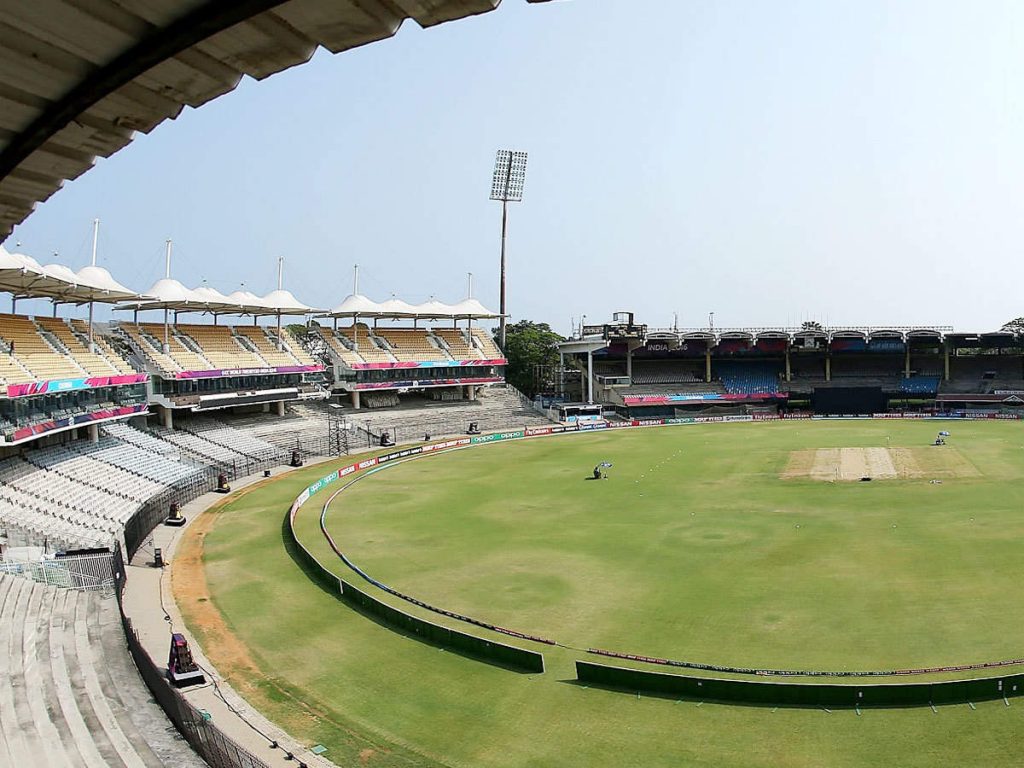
486	344
267	349
33	352
220	347
150	348
93	363
50	348
458	346
359	334
411	344
339	345
292	345
103	347
183	350
197	347
666	372
748	378
71	694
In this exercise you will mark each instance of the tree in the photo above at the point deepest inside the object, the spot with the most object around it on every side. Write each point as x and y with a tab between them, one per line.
529	347
811	325
1014	326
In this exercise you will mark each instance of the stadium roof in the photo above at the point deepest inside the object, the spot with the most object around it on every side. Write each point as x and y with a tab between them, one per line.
25	277
357	305
78	80
168	293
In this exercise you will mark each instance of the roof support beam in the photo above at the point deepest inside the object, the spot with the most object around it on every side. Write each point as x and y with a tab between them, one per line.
205	21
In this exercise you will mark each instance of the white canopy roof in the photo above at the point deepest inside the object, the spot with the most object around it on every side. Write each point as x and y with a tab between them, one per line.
282	302
166	293
396	308
105	287
469	308
24	277
357	304
249	302
215	300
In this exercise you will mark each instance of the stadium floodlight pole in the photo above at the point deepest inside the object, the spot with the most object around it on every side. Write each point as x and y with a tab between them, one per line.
167	273
95	239
506	186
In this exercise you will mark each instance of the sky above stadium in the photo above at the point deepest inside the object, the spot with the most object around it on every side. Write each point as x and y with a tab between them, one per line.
851	163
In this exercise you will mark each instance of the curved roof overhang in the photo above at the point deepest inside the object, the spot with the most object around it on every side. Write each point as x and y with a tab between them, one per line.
924	334
849	334
78	80
886	334
663	336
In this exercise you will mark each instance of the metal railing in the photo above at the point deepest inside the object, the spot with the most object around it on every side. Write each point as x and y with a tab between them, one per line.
84	572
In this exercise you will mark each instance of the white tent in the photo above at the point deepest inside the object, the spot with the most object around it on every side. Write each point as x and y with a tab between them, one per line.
433	310
23	276
354	305
282	302
468	309
396	308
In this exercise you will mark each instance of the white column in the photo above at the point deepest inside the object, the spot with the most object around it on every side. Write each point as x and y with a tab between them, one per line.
355	399
94	433
166	415
590	376
280	407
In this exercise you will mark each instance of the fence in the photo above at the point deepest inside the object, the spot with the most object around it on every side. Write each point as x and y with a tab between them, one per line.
86	572
209	742
157	508
100	570
436	634
800	694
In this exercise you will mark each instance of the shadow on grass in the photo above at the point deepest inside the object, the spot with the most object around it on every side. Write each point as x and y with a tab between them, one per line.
331	585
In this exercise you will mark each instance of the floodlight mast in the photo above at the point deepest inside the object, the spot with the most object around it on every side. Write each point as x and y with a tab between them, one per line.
506	186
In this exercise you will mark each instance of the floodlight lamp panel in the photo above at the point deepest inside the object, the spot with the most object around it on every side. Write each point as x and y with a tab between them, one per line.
509	175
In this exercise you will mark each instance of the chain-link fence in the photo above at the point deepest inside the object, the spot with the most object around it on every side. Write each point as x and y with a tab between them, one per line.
209	742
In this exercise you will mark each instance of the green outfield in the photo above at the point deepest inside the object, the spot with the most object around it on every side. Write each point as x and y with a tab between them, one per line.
735	544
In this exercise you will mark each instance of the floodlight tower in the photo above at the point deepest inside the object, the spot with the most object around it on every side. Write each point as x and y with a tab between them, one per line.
507	186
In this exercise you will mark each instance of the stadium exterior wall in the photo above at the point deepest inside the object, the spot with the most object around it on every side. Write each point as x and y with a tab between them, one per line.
800	694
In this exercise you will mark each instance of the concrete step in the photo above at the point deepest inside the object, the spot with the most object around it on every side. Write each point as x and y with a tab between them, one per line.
133	740
11	624
42	734
66	754
96	746
119	751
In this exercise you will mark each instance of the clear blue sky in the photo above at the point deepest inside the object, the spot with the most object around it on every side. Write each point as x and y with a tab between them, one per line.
851	162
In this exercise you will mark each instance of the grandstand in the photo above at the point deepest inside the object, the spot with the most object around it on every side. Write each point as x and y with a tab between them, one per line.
679	371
